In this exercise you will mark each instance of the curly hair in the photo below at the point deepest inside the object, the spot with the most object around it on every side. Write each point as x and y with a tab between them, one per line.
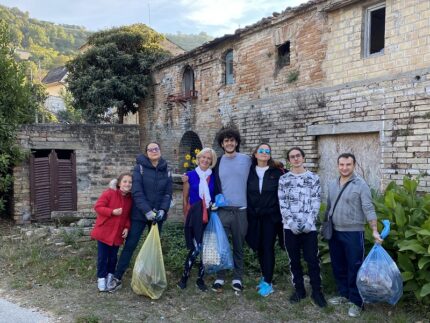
228	133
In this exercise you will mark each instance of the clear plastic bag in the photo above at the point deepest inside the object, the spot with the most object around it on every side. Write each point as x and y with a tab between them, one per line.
379	278
216	253
149	275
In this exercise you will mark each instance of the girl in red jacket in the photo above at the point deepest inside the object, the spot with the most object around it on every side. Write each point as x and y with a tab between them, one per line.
112	224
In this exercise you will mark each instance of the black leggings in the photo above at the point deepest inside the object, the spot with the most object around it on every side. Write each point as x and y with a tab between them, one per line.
191	258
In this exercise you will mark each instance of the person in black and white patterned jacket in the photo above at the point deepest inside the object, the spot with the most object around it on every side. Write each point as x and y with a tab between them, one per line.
299	194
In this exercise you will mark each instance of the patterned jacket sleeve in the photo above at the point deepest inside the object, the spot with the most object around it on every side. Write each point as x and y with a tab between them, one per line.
284	204
316	197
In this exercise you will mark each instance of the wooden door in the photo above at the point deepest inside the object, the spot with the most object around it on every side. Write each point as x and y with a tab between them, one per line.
52	182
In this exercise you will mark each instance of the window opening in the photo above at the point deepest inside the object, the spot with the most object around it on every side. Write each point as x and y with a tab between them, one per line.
188	82
229	78
375	30
284	54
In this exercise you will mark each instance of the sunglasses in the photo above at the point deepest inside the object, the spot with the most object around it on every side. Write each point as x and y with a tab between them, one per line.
153	150
263	151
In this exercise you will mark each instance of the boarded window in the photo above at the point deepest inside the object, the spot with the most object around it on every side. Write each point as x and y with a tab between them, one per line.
229	77
53	182
284	54
188	82
374	30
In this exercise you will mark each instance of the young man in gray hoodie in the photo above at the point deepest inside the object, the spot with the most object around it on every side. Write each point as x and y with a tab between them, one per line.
346	246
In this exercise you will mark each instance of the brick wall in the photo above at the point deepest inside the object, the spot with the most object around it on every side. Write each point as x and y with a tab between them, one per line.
407	43
102	153
337	91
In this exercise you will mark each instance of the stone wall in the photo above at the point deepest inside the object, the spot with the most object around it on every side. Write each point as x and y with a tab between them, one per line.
336	92
102	153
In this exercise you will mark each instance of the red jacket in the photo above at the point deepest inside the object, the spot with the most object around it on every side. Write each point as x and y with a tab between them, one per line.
108	228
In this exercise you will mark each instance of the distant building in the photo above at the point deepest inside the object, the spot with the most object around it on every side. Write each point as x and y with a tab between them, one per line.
55	83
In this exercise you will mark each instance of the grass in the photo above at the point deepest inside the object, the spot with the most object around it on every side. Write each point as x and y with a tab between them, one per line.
61	281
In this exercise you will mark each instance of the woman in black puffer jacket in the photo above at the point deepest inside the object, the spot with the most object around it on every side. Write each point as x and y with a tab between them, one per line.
152	195
264	217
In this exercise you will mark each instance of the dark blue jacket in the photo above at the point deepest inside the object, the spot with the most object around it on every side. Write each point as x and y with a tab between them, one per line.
152	188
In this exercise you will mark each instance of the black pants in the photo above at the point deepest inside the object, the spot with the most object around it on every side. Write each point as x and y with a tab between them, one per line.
308	242
266	249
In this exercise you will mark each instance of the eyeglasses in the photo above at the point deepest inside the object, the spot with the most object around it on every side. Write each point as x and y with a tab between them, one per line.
263	151
153	150
295	156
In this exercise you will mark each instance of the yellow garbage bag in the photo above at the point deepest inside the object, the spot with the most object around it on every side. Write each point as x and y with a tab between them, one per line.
149	275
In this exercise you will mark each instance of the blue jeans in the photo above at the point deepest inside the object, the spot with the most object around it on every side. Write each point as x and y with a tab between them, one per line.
106	259
130	245
347	254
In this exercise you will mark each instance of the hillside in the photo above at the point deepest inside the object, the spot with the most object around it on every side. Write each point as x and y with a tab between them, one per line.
50	44
189	41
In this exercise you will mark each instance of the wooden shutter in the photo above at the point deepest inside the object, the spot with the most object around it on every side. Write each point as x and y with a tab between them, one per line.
65	183
53	184
41	188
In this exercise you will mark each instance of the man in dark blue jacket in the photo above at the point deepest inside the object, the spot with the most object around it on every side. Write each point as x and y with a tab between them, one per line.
152	195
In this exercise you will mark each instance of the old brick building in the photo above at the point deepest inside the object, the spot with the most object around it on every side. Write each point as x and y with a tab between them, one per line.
329	76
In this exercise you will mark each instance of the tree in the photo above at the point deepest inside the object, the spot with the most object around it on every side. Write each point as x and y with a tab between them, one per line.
114	71
19	101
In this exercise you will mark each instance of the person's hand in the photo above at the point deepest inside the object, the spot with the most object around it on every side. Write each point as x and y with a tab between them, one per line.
159	216
124	233
117	211
293	227
150	215
377	237
184	178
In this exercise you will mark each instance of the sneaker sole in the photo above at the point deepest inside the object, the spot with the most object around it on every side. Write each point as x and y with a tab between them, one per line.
219	290
113	290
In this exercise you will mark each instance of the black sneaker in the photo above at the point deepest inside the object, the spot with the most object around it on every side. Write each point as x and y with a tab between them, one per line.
237	286
200	283
114	285
296	297
217	287
182	284
319	299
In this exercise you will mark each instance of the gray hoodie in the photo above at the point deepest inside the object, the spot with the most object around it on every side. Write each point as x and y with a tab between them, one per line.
355	206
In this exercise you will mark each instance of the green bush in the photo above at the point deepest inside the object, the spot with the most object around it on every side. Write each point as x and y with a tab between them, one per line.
409	240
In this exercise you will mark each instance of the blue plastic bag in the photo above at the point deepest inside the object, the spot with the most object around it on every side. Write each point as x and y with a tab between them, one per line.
379	279
216	253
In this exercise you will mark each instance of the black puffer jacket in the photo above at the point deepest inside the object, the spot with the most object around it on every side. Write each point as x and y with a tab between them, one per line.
152	188
266	203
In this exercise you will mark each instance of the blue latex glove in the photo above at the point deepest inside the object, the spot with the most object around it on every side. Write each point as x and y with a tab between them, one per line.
386	230
159	216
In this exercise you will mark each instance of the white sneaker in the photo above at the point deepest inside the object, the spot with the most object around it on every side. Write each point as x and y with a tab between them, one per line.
109	279
101	284
354	311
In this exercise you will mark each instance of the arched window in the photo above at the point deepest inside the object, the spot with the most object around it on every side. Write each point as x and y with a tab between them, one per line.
229	79
188	82
189	147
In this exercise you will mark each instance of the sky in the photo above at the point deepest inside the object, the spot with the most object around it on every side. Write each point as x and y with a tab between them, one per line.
215	17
